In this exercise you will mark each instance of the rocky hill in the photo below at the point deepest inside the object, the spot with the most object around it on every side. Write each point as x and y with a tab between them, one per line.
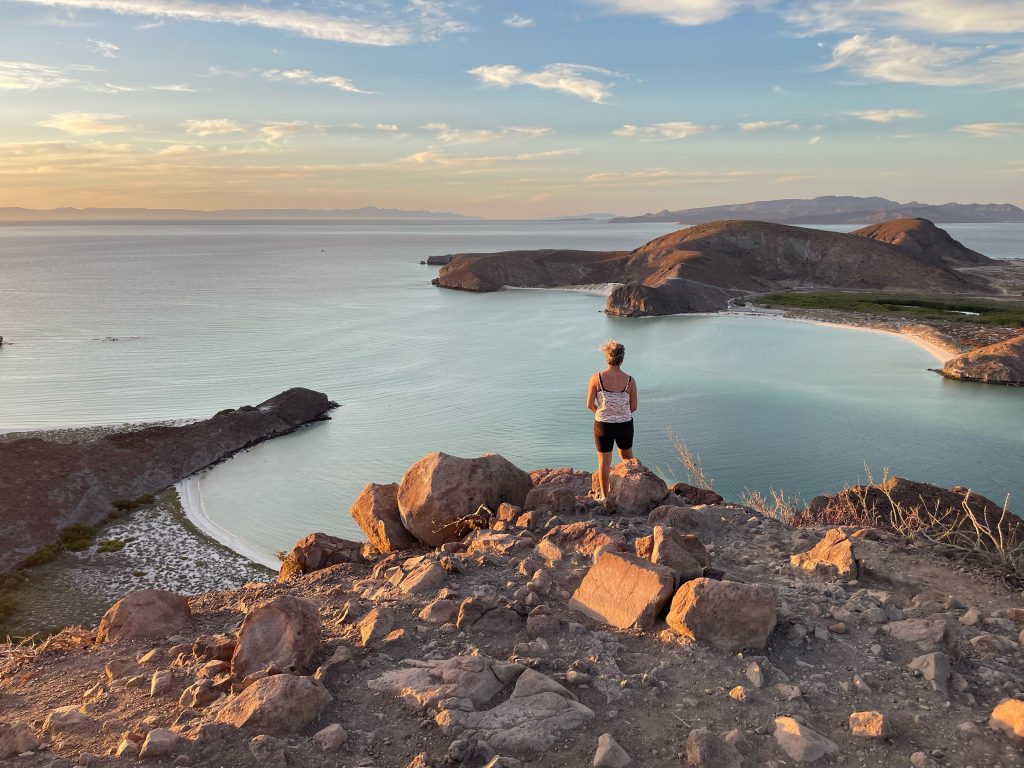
658	628
701	267
46	486
833	209
1000	363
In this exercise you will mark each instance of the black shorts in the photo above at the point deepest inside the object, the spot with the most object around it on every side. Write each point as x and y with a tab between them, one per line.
608	433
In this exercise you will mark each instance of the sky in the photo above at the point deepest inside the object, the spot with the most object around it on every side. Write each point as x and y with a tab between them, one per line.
508	109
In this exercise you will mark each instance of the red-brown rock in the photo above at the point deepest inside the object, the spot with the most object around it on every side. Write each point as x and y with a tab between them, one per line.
283	633
376	512
440	494
316	551
634	489
279	704
725	614
145	613
623	591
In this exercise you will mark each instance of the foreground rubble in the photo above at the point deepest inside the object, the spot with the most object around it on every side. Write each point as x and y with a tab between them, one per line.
546	629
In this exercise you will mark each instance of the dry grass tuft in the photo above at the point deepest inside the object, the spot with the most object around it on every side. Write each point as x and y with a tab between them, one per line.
691	462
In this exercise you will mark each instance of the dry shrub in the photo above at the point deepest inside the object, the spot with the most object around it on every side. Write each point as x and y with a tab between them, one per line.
967	534
15	654
691	462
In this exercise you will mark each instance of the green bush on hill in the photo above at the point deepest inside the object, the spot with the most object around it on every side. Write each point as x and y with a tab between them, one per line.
949	309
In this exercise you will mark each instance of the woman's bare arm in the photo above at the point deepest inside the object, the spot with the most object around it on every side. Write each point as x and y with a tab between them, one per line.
632	395
592	395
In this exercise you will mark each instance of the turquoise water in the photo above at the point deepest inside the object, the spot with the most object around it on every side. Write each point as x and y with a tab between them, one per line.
211	316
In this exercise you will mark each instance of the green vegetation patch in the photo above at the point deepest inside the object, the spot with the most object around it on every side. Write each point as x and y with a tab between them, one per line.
947	309
74	538
110	545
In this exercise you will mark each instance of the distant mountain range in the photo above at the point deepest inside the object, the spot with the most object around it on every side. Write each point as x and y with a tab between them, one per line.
836	210
369	213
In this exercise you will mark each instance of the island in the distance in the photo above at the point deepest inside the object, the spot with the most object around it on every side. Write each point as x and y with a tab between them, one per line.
708	267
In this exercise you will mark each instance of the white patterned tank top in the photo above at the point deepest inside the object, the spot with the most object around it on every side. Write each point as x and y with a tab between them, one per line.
613	407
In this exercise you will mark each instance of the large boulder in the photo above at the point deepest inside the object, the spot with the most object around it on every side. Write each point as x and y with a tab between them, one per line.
1000	363
634	489
278	704
833	556
623	590
316	551
725	614
283	633
551	499
376	512
145	613
440	494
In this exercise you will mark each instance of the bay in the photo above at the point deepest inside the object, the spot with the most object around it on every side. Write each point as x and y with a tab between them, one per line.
212	316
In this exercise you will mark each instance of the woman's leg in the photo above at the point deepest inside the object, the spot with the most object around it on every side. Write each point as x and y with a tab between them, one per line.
604	466
624	440
626	454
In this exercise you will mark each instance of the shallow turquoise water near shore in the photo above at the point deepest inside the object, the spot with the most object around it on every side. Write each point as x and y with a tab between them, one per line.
230	314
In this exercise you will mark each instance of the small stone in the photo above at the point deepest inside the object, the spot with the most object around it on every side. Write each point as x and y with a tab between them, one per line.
161	682
331	738
705	749
971	617
755	674
801	743
159	742
869	725
609	754
739	693
1008	717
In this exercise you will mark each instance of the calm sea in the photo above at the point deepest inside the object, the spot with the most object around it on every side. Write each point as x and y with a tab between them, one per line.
211	316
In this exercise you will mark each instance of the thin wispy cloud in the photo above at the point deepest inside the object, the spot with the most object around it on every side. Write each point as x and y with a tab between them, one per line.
518	22
85	123
27	76
104	49
886	115
311	24
686	13
937	16
764	125
450	135
306	77
815	140
573	79
282	131
896	60
991	130
388	127
661	131
215	127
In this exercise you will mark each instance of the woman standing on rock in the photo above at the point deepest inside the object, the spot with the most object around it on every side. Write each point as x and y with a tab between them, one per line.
611	395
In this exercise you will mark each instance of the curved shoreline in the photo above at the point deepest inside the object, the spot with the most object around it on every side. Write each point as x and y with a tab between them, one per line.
191	497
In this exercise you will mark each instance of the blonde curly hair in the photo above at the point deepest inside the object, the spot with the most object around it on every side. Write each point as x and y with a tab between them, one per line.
614	352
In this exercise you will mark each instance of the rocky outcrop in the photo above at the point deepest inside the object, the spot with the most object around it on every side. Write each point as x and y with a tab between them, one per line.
375	510
701	267
145	613
924	241
439	495
47	486
884	503
1000	363
674	296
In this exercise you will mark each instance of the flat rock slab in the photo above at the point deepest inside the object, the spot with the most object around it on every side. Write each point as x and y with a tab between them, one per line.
624	591
279	704
725	614
462	689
